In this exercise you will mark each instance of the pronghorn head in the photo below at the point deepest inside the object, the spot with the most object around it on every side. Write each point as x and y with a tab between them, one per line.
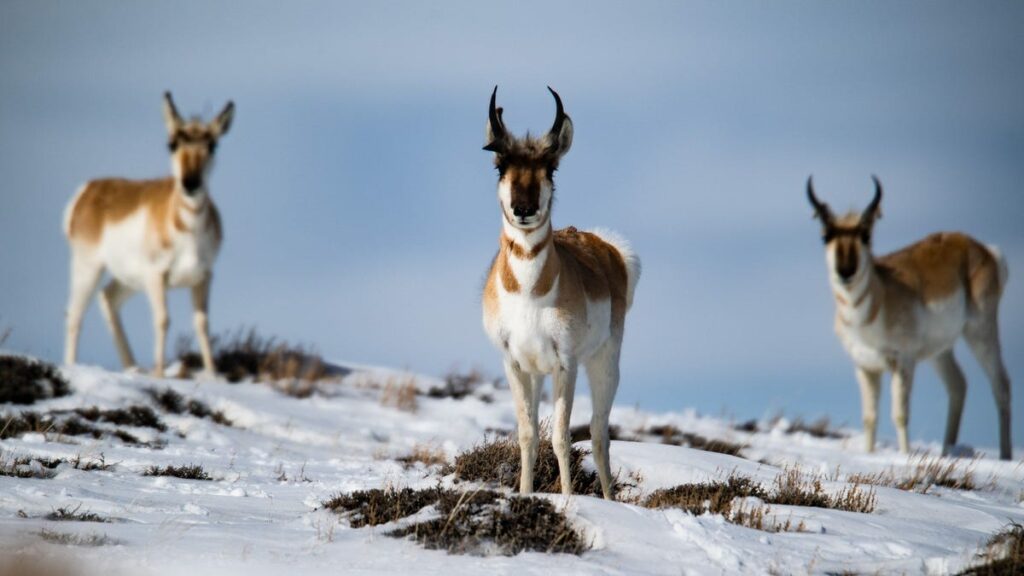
192	144
847	238
526	166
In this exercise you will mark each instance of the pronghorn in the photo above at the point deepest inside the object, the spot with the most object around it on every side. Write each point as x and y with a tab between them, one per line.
149	235
553	299
911	305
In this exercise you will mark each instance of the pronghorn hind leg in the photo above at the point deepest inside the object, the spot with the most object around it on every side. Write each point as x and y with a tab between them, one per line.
564	384
603	375
112	297
902	382
956	386
870	389
983	339
156	290
85	275
200	319
526	392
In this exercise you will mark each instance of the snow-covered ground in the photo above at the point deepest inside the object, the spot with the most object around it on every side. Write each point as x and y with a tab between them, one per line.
285	455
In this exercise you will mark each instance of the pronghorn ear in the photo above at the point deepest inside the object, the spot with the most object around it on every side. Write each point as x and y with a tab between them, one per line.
222	122
171	118
559	139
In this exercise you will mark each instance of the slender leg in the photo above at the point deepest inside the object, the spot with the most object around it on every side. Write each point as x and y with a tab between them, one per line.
522	386
870	389
956	386
984	342
200	308
156	289
85	275
603	375
564	384
902	382
111	299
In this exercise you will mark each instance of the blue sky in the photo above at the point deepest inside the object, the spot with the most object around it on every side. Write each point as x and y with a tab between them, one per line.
360	212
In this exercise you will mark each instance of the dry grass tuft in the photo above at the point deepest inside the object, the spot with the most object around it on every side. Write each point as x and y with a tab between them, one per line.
1003	554
69	539
925	473
425	454
189	472
671	435
138	416
245	354
794	488
25	381
67	514
474	522
820	428
28	466
582	432
459	385
376	506
15	425
488	523
791	488
496	460
400	393
173	402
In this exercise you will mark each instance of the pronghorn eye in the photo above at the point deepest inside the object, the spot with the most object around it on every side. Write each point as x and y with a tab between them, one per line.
172	145
865	237
828	236
212	145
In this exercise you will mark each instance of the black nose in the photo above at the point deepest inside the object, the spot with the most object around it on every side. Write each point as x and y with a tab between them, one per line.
523	211
191	183
846	272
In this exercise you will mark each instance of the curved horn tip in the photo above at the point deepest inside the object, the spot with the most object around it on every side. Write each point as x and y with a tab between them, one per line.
878	183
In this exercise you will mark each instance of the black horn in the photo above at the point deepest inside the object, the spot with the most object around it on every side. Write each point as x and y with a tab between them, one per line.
497	126
556	128
821	210
872	211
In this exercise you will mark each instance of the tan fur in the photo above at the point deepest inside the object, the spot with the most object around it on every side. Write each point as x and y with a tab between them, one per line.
108	201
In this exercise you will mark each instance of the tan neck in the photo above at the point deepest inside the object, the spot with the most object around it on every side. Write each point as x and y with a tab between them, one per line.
528	260
859	303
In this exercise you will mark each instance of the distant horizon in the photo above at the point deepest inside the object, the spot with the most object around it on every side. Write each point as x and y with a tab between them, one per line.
360	213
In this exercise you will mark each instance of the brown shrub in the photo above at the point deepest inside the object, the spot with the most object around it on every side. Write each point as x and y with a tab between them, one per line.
189	472
67	539
1003	554
926	472
459	385
25	381
14	425
245	354
173	402
793	488
376	506
489	523
496	460
139	416
66	514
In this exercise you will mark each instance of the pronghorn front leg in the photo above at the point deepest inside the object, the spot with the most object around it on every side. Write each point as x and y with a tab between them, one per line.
200	307
156	289
902	381
870	389
526	391
564	384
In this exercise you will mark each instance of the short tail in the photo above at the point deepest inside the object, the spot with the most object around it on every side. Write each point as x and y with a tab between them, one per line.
629	258
1004	271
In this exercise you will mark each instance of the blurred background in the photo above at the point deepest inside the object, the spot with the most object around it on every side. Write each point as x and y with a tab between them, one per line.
361	214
